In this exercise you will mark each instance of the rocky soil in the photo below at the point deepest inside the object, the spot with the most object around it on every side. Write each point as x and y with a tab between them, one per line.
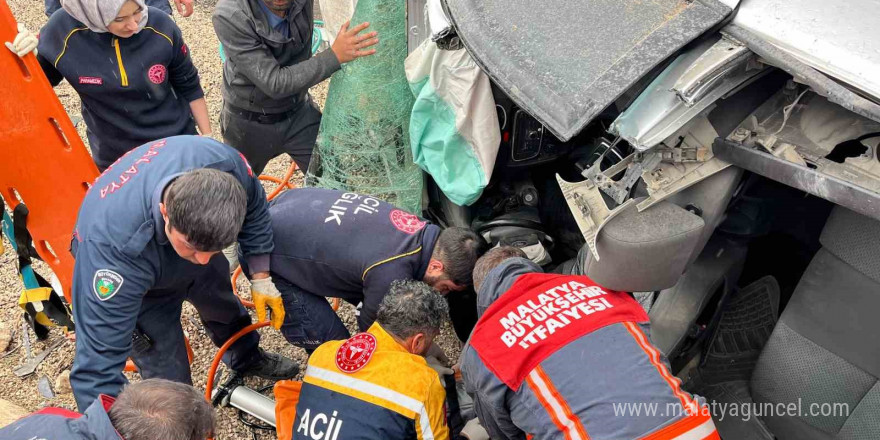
199	34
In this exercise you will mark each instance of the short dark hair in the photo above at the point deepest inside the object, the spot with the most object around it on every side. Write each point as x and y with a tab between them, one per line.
208	207
491	260
458	250
162	409
412	307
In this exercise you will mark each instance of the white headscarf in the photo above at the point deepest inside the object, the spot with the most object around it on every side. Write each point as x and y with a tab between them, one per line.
97	14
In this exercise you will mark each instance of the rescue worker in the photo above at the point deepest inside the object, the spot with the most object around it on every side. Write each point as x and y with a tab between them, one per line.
148	236
131	69
267	109
559	357
147	410
376	385
336	244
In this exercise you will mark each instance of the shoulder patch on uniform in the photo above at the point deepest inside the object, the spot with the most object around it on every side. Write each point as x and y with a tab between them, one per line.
406	222
106	283
356	352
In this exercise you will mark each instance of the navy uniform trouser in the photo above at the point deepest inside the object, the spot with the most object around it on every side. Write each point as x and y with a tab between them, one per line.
54	5
309	319
208	289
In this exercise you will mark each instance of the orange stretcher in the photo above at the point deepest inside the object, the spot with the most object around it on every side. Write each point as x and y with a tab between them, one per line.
43	161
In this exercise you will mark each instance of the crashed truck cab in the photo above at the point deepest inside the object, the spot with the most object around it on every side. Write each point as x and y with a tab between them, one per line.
718	158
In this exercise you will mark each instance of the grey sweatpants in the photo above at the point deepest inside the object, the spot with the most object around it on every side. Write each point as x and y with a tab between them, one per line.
261	142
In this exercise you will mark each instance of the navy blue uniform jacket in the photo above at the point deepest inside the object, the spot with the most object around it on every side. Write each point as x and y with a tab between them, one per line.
62	424
117	245
133	90
346	245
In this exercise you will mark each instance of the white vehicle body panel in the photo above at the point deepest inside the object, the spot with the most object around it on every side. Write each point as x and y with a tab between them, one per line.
840	39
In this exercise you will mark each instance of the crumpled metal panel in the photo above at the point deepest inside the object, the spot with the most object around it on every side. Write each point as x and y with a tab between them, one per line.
564	61
660	110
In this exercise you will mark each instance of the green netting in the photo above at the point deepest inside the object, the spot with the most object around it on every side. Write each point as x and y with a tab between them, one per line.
363	145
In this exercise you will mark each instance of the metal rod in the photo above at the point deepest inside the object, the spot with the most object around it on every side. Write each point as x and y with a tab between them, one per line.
253	403
833	189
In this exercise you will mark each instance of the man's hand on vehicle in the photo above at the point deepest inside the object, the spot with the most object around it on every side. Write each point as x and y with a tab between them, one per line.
350	44
24	43
184	7
266	295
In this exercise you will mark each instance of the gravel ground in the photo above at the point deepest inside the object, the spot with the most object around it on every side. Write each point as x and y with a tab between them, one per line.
199	34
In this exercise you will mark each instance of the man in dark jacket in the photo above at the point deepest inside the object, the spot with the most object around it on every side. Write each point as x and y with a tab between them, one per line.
269	68
148	237
338	244
560	357
146	410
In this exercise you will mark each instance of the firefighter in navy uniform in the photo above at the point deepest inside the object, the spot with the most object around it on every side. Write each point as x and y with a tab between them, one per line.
338	244
375	385
554	357
148	237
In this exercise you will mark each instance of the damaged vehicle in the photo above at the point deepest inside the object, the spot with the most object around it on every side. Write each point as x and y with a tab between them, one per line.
717	158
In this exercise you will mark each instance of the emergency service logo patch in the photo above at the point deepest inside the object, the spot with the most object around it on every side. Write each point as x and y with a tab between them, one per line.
406	222
157	73
355	352
106	284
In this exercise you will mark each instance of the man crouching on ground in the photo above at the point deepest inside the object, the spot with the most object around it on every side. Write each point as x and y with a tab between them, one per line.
553	356
376	384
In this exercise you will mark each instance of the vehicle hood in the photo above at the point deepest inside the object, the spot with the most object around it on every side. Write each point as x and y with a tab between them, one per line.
564	61
838	39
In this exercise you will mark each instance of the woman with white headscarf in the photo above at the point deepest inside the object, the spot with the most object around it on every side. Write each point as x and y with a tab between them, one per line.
131	68
184	7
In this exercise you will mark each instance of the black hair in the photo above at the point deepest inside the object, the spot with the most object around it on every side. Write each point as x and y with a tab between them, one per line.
208	207
458	249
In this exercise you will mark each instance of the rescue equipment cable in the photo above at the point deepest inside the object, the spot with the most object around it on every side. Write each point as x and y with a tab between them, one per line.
209	383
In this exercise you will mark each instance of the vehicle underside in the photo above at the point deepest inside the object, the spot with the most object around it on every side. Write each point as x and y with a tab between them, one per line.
736	192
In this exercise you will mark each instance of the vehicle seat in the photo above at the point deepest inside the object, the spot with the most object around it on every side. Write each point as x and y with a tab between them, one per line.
642	251
824	349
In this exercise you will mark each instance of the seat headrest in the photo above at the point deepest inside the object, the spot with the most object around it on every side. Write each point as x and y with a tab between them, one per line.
644	251
855	239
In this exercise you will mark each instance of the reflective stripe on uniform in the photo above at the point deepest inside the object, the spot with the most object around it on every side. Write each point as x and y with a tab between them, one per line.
556	407
696	427
377	391
686	401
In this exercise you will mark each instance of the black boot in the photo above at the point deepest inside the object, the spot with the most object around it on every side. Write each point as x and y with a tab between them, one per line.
272	366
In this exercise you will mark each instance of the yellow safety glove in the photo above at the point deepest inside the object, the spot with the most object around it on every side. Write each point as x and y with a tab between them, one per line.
265	294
